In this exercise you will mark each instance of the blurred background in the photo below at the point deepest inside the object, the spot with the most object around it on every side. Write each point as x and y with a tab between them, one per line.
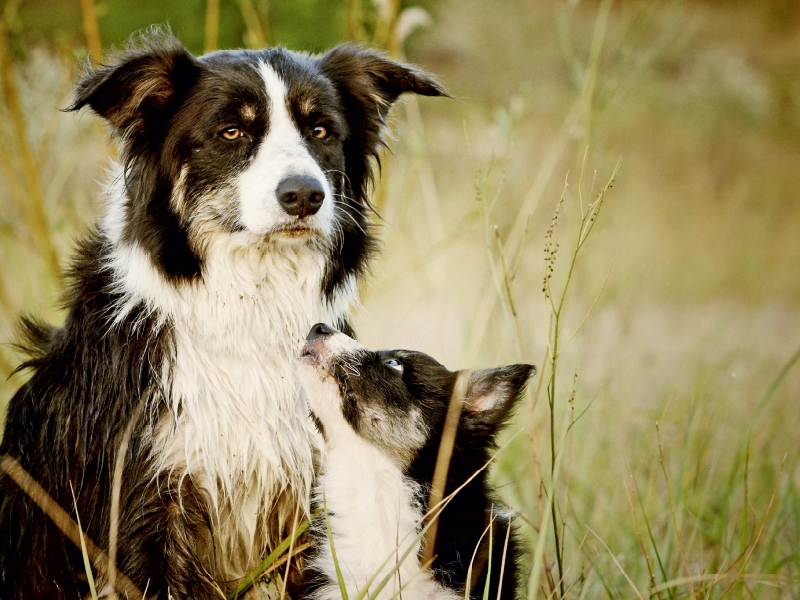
673	402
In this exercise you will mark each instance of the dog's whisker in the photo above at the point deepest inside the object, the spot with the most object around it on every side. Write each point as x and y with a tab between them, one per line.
351	205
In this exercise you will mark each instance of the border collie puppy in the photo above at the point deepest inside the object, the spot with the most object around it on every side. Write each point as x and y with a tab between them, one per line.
235	220
382	415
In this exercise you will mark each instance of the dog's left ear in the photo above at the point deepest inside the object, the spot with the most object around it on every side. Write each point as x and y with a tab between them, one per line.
492	394
368	84
368	77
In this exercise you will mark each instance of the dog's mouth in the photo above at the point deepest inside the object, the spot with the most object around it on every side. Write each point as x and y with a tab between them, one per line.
297	231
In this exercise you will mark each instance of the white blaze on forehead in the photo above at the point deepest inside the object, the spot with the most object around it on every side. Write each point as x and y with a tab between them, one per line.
282	153
281	123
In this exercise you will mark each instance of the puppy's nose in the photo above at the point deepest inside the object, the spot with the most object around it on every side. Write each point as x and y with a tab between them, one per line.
320	330
300	195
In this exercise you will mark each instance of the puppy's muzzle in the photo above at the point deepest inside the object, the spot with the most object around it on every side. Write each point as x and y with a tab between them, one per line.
314	348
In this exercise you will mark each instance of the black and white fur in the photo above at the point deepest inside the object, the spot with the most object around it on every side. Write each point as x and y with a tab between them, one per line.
235	220
382	416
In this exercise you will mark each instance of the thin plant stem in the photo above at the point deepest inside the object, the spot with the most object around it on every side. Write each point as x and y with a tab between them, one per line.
503	560
616	562
443	457
672	510
87	564
385	35
293	537
256	32
37	221
116	488
760	531
355	27
632	501
544	174
91	30
212	26
271	561
66	524
538	554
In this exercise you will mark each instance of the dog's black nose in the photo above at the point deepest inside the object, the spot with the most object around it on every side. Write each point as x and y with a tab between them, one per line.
320	330
300	195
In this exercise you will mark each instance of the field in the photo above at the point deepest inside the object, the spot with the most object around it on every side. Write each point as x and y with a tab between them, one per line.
658	454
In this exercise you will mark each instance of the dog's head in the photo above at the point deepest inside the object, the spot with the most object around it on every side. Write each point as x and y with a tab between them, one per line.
266	147
396	400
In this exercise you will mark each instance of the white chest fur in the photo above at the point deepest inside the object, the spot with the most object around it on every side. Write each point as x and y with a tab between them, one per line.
374	519
236	424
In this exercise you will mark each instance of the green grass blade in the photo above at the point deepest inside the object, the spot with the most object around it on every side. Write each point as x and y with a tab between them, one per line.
503	559
489	563
339	577
87	564
655	547
538	554
600	575
765	399
267	562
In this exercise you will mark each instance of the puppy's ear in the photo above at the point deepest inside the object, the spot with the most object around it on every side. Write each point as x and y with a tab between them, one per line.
368	84
492	394
142	85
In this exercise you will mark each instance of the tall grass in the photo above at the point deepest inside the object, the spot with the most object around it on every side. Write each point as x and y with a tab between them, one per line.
661	451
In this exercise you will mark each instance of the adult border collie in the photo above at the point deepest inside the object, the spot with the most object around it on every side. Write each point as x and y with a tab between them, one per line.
235	221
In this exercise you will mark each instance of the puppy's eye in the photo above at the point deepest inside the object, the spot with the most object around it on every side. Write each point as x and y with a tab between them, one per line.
231	133
320	132
351	401
395	364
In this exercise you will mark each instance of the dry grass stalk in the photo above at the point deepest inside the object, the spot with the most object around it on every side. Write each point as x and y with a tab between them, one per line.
291	552
355	26
91	30
15	187
116	488
632	500
67	525
760	531
443	459
616	562
673	512
567	132
385	34
37	221
212	26
258	33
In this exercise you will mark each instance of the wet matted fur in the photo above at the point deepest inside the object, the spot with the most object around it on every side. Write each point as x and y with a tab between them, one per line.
188	303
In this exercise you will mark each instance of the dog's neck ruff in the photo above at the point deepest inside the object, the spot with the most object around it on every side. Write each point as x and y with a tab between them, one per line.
235	423
375	517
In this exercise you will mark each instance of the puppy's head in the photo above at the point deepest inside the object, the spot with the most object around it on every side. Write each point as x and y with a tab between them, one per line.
397	400
259	146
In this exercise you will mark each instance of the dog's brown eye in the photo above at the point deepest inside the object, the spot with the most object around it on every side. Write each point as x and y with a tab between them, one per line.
351	401
231	133
320	132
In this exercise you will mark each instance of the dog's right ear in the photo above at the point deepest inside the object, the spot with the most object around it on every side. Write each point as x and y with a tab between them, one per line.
143	84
